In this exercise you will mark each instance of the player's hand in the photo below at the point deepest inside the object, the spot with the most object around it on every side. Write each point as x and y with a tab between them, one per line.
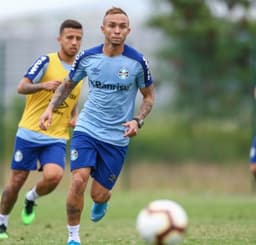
45	120
131	128
72	122
51	85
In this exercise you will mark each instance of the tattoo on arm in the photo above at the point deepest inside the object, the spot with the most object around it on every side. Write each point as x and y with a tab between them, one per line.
29	88
61	93
145	108
147	103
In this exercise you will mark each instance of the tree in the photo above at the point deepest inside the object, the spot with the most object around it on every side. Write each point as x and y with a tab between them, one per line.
211	54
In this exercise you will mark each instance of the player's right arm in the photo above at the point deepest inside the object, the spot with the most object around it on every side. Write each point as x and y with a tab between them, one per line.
61	93
26	86
31	82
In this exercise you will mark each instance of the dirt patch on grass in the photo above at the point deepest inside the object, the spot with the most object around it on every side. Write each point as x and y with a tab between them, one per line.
189	177
194	177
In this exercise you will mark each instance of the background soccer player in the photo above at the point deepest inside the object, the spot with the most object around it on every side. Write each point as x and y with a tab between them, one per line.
34	145
99	144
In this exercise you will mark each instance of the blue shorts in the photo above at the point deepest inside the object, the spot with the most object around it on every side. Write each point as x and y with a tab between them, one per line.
253	152
105	160
27	154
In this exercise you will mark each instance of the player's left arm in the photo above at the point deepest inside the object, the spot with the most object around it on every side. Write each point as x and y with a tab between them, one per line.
147	101
145	108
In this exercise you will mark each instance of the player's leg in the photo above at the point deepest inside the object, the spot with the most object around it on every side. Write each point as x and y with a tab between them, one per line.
23	161
52	162
82	159
253	170
100	195
253	176
110	160
75	203
51	177
253	173
9	197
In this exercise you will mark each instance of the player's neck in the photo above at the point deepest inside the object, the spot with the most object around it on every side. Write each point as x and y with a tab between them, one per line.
66	59
113	50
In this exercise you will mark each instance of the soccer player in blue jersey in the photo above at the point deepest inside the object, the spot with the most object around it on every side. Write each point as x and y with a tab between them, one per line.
34	145
116	72
253	163
252	156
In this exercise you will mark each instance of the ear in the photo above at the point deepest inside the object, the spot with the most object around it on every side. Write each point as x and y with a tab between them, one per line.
102	28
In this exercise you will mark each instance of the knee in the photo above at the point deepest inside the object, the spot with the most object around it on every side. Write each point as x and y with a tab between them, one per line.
100	197
52	175
53	179
79	182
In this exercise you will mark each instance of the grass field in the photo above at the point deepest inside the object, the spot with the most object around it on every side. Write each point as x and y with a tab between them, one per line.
215	218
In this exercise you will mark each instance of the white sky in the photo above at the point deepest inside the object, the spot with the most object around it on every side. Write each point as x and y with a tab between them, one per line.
12	8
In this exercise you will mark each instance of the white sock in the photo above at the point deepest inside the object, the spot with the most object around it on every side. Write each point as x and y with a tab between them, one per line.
73	233
32	195
4	219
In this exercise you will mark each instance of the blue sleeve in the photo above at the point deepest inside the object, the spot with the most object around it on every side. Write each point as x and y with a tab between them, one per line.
144	77
78	72
36	71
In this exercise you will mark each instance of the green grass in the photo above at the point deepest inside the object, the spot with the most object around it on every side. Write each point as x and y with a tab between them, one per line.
214	219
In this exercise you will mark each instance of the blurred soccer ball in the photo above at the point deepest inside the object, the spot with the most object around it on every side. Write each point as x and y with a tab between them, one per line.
162	222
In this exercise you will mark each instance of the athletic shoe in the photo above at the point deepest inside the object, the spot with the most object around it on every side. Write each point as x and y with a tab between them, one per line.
98	211
72	242
3	234
28	212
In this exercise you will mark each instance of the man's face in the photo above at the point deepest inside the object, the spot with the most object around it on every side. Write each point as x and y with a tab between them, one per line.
70	41
115	28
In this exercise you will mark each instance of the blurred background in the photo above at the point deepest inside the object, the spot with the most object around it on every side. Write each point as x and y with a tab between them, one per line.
203	59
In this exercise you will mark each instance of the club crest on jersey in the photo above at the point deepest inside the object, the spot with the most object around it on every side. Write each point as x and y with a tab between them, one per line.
18	156
73	155
95	71
123	73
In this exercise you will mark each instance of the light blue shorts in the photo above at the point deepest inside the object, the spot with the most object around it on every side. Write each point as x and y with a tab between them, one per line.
27	155
105	160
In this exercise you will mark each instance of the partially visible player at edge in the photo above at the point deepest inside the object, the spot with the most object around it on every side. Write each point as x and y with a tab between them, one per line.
100	139
253	156
33	144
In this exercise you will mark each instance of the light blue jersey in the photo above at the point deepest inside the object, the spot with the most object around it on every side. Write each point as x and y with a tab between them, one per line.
113	86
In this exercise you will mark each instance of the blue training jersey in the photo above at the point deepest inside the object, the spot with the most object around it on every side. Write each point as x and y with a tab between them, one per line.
113	85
